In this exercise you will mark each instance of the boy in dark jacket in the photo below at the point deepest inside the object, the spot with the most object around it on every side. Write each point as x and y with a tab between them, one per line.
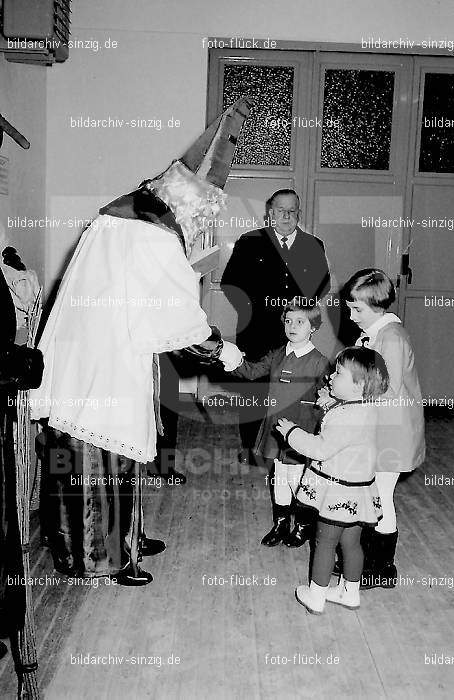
295	373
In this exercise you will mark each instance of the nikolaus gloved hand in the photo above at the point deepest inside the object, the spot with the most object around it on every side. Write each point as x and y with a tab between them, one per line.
231	356
213	350
22	366
208	352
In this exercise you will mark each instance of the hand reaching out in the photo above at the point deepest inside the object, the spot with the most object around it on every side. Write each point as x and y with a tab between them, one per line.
231	356
324	399
284	425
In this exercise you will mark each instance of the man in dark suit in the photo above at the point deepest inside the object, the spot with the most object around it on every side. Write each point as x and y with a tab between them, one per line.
267	268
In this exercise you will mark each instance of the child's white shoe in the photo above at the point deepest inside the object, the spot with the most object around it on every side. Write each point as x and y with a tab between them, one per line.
346	593
312	597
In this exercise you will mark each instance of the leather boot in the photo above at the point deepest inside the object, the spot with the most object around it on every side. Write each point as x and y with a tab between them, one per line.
173	477
312	597
281	528
304	527
167	472
148	547
300	534
132	576
382	572
245	456
367	539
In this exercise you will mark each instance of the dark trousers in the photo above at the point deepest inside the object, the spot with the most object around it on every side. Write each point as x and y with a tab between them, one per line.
250	416
92	506
12	595
326	540
169	406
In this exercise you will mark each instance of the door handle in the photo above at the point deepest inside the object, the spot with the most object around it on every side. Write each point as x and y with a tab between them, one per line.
405	269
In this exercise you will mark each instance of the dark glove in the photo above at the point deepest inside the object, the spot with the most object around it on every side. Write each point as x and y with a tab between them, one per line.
207	352
22	366
12	258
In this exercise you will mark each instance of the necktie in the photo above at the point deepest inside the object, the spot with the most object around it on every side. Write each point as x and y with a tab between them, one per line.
285	248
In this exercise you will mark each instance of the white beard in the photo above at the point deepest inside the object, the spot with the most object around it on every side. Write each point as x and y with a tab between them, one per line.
194	203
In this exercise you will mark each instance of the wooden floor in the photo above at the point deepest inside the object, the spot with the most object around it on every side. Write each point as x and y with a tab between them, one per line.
201	639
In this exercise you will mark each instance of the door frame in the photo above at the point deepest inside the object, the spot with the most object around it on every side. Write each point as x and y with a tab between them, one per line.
422	65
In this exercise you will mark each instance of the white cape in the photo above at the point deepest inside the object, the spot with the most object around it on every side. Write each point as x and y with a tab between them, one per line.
128	293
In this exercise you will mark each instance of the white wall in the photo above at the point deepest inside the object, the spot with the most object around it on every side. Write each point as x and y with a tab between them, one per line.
140	80
318	20
159	70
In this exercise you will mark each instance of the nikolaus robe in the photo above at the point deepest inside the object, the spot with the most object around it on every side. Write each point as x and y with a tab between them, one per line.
128	294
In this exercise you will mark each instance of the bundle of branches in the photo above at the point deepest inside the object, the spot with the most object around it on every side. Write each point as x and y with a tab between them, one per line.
26	641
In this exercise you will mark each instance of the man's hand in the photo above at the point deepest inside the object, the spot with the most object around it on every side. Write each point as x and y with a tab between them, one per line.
231	356
284	425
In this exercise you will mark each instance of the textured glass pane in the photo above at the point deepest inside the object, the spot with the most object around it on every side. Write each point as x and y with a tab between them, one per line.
271	87
357	119
437	129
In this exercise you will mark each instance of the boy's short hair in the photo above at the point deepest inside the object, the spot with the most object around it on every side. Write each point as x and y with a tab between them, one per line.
368	366
312	311
371	286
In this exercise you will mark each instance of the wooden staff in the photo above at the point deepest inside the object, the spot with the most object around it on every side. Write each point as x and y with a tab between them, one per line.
14	133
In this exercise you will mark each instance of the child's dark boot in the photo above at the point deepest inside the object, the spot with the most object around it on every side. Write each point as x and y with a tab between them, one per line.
281	528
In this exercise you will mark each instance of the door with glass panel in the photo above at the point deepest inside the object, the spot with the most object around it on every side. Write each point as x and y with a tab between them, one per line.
427	289
271	154
333	126
344	129
357	163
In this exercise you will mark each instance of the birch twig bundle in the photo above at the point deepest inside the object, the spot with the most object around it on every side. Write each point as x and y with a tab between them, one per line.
27	676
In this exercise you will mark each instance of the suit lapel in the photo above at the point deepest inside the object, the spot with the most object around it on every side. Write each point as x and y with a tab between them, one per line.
269	239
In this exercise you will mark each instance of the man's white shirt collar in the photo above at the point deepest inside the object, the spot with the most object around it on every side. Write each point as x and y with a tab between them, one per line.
299	352
290	238
377	325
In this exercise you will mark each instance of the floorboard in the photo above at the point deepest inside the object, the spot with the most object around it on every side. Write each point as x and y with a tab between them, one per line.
220	618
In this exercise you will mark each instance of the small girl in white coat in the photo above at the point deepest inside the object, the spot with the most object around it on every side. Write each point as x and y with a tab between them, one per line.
340	481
